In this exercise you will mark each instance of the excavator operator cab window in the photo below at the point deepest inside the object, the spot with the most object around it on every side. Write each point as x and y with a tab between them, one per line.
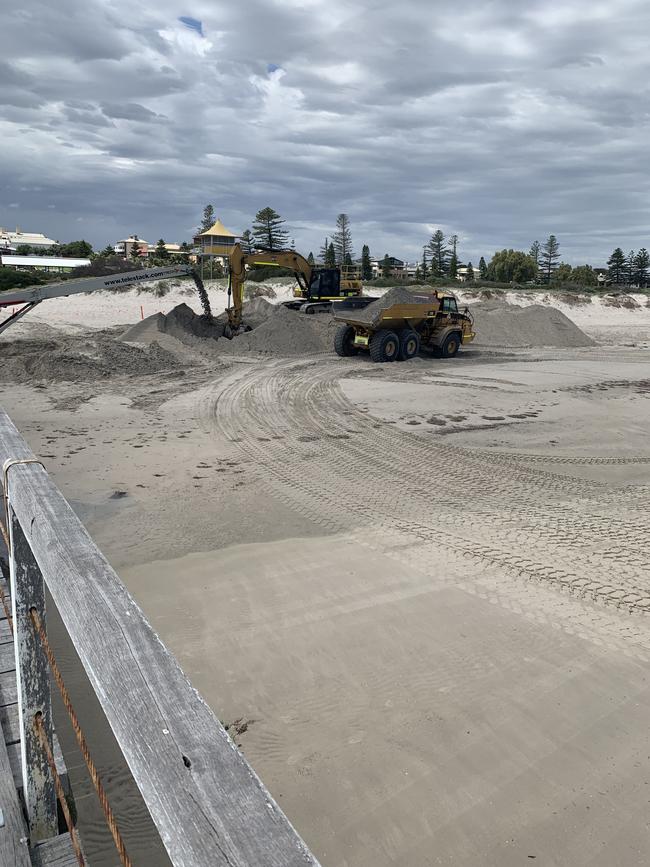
314	286
449	305
325	283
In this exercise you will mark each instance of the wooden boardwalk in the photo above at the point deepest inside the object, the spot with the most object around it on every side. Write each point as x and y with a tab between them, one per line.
14	851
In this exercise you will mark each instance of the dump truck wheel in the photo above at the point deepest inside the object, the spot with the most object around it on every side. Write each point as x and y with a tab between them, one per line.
409	344
384	346
451	345
344	341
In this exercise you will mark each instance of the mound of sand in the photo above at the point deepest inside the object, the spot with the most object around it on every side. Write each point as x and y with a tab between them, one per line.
181	322
79	359
284	332
498	324
278	331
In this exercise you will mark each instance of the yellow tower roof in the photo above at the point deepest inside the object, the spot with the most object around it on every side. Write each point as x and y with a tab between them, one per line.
219	229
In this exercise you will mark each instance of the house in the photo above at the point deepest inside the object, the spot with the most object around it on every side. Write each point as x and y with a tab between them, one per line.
54	264
125	247
463	276
397	268
30	239
603	276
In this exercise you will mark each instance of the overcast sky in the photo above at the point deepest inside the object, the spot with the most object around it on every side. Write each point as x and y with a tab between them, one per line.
500	121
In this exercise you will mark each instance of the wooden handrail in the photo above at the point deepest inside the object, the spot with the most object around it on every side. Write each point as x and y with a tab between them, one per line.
206	801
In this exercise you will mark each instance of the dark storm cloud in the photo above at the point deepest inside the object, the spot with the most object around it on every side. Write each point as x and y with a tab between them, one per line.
130	111
499	122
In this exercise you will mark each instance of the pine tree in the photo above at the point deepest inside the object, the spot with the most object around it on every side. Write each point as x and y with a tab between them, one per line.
330	256
424	267
616	265
293	245
549	257
246	241
534	253
311	259
385	266
483	268
641	265
453	240
107	251
348	260
439	253
470	272
207	221
453	266
366	265
629	267
267	230
135	248
342	239
161	252
322	256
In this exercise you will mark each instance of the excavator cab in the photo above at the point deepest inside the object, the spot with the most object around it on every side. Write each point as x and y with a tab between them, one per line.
325	284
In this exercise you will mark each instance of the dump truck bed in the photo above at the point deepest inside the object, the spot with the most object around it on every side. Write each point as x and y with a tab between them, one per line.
355	311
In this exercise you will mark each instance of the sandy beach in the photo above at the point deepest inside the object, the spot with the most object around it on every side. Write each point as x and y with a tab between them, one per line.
418	593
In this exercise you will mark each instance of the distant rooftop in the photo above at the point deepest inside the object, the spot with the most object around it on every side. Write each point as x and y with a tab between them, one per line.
44	261
219	229
33	239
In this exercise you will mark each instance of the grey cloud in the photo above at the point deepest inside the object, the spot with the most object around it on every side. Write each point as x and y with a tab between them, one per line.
130	111
500	122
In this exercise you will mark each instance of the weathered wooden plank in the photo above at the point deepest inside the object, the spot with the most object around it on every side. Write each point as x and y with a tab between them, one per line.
206	801
8	688
33	679
10	723
13	751
7	658
57	852
5	632
13	834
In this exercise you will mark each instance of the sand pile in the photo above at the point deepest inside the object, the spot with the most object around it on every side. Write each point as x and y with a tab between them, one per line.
499	324
181	322
80	359
284	332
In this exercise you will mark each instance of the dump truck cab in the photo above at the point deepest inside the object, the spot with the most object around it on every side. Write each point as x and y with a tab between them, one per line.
396	331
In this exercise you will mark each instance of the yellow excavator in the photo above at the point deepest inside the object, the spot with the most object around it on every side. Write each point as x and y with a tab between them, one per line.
317	286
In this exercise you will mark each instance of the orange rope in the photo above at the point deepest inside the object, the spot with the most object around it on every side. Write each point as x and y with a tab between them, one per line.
81	740
42	736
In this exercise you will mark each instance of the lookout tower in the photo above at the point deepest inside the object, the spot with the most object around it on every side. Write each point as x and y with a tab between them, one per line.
214	245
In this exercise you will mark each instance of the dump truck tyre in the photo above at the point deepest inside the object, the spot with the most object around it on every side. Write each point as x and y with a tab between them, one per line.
409	344
343	341
384	346
451	345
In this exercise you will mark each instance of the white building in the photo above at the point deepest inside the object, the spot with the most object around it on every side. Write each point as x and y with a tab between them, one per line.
55	264
31	239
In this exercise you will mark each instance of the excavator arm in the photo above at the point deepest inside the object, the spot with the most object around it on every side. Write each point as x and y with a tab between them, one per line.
238	262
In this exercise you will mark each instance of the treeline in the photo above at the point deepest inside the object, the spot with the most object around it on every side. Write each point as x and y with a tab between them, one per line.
441	257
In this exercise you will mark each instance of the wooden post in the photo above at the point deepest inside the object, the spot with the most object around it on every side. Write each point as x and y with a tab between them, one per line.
33	678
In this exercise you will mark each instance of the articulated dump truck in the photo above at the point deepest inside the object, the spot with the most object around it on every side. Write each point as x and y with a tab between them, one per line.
393	328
